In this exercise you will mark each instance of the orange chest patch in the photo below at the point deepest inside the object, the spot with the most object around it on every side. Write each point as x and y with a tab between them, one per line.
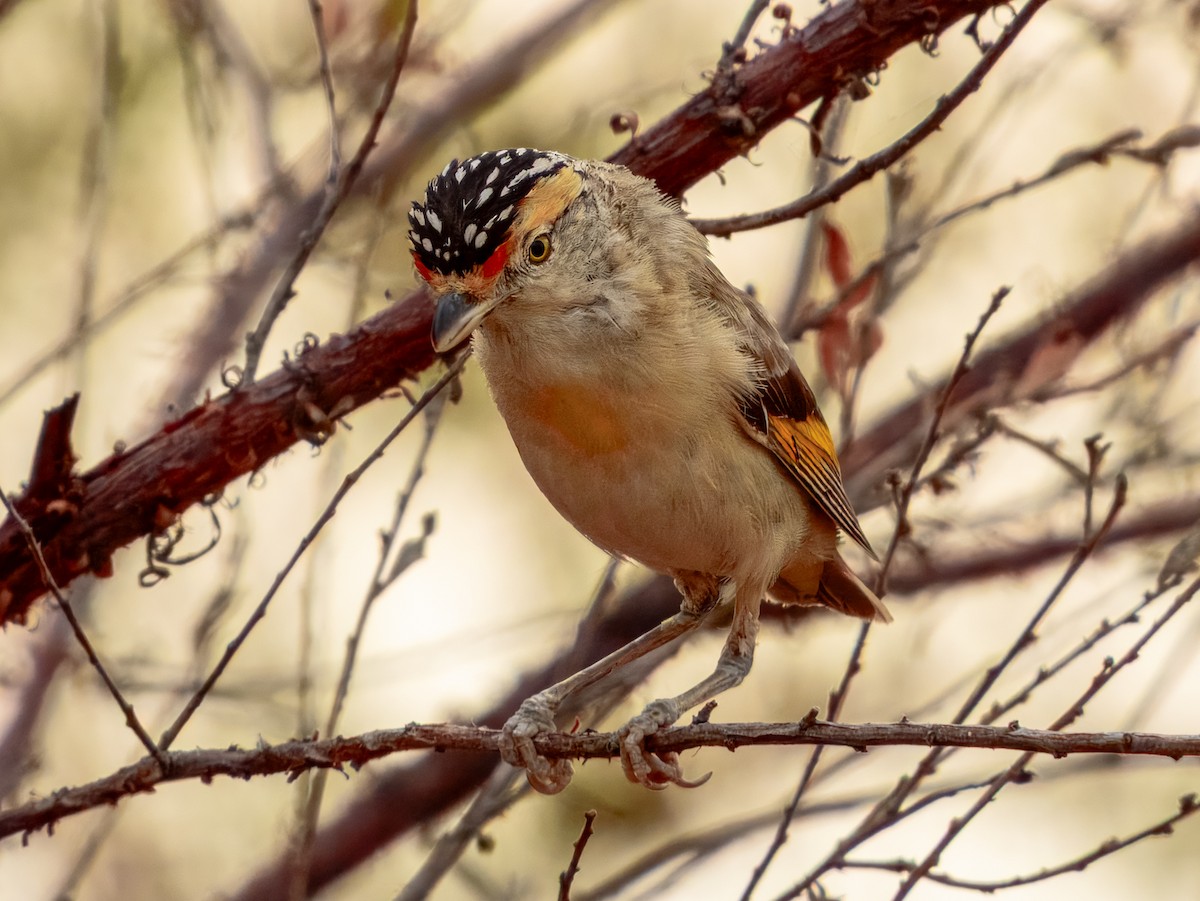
590	423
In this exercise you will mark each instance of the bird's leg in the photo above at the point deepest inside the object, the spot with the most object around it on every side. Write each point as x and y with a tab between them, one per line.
656	771
536	714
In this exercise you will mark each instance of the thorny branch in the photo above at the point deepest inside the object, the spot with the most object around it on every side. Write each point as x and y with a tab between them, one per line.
294	757
866	169
851	40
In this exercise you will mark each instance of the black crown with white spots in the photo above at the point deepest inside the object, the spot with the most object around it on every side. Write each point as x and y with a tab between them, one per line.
469	207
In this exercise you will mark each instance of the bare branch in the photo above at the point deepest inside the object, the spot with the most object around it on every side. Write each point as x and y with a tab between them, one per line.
294	757
1073	711
327	514
1031	362
1164	827
568	875
866	169
335	193
35	549
851	40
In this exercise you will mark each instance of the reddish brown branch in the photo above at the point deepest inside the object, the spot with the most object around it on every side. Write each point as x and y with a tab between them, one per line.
142	490
844	44
868	168
567	877
297	756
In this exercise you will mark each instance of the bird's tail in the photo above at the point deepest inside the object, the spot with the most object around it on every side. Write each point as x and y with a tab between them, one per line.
838	588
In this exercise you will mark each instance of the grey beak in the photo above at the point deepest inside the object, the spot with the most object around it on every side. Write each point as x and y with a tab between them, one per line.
455	318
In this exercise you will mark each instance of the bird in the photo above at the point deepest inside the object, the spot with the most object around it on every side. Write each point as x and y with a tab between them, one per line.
653	403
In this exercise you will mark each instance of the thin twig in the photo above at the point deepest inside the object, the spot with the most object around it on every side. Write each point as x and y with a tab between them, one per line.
335	149
1048	449
1073	711
905	493
35	549
95	175
331	508
567	877
867	168
729	52
1187	806
333	199
502	789
380	580
1098	154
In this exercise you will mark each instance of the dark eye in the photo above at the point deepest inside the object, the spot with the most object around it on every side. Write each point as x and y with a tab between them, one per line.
539	249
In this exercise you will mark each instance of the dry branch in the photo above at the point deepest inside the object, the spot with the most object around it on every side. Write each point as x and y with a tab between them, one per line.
143	489
1029	364
338	753
836	50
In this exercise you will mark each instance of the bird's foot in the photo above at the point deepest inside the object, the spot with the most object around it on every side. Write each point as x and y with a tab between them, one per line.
653	770
534	717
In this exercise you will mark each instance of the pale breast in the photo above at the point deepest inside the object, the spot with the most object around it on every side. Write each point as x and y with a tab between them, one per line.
676	488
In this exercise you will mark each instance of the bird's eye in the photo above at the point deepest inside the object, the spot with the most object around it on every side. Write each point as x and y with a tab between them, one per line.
539	249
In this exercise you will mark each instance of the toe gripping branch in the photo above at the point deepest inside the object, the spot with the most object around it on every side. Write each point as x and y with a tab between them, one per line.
536	715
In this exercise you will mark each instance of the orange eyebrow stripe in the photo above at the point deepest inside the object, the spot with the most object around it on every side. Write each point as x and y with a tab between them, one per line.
548	199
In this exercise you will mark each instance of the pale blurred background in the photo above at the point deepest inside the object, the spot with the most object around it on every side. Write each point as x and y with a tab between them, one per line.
92	200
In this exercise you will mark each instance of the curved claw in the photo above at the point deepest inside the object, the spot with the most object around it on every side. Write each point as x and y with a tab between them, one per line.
533	718
652	770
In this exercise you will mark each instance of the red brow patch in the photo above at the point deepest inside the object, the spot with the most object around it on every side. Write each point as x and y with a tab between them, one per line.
422	269
493	264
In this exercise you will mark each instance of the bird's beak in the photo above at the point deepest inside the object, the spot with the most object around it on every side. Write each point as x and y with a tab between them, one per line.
456	316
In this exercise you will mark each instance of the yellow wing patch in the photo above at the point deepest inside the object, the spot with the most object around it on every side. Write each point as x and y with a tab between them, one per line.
806	448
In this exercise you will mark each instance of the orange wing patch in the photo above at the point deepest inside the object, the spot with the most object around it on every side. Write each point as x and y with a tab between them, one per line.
805	448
